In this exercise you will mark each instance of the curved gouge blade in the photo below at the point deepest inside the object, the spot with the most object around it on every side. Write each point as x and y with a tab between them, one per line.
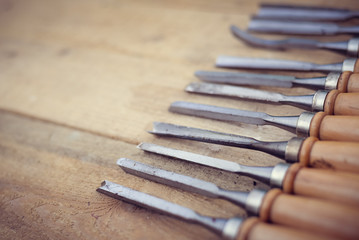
300	28
291	43
276	64
304	101
218	225
262	174
306	13
234	115
246	78
183	182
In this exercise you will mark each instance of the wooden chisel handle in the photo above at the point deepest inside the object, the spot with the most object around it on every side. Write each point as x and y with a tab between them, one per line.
342	103
338	128
352	84
313	215
254	229
335	186
342	156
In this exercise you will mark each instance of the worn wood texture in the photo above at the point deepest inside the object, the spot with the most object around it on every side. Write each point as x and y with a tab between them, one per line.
82	81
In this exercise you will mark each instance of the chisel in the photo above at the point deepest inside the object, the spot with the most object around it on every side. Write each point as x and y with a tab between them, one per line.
350	47
306	13
233	228
319	125
341	156
266	205
300	28
343	82
330	102
349	64
317	183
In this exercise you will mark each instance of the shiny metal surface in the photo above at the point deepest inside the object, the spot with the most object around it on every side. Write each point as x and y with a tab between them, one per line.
254	201
234	115
311	13
302	101
341	47
299	27
165	129
353	47
217	225
232	228
349	64
293	148
262	174
331	80
251	79
319	100
278	174
275	64
303	124
181	181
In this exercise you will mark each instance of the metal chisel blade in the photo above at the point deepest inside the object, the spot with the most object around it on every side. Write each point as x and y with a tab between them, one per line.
246	79
181	181
219	113
191	157
260	173
169	178
160	205
234	115
275	64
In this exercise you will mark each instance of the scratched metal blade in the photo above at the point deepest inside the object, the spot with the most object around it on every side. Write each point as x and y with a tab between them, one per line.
234	115
303	101
165	129
246	78
260	173
183	182
150	202
290	12
275	64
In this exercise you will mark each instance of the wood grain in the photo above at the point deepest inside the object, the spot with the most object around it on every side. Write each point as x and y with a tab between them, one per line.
82	81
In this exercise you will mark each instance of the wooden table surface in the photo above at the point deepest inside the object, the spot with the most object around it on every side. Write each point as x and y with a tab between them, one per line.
81	83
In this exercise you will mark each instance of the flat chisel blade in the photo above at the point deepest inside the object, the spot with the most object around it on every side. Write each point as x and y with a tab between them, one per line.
260	173
234	115
275	64
251	79
160	205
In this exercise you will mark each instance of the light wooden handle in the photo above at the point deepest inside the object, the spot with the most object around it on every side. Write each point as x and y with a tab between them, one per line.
339	128
342	85
317	216
353	83
336	186
258	230
342	156
347	104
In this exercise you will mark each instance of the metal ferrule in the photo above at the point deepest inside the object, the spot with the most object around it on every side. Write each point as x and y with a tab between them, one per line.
231	228
278	174
254	201
353	47
303	124
319	100
331	81
349	64
292	149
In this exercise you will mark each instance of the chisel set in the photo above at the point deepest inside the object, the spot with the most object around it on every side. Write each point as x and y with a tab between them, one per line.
314	192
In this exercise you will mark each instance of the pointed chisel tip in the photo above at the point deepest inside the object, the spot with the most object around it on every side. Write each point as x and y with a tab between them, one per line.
191	87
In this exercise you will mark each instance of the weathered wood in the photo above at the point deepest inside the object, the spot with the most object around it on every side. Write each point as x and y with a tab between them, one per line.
81	82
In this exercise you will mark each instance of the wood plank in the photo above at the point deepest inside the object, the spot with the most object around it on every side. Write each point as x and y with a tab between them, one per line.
49	178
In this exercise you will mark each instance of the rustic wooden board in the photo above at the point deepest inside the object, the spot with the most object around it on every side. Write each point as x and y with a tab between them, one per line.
82	81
